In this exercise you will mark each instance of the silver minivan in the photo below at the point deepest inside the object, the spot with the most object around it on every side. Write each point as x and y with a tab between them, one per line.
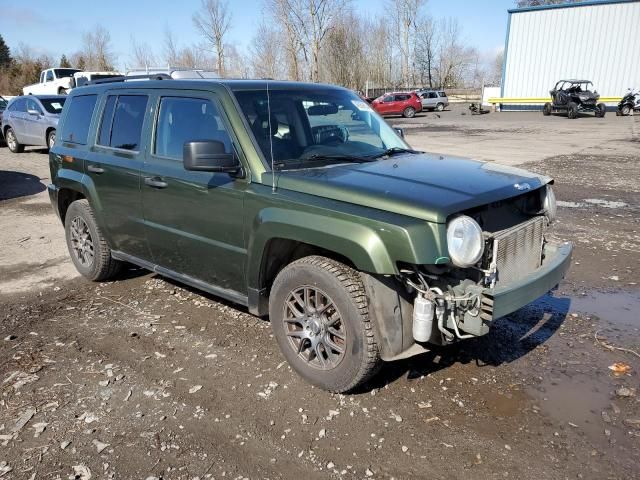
32	120
433	99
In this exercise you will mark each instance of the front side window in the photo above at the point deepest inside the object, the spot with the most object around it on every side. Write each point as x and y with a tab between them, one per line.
49	76
433	95
76	124
310	127
20	105
122	120
183	120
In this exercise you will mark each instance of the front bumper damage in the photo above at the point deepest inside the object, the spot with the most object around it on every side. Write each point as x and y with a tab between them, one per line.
459	319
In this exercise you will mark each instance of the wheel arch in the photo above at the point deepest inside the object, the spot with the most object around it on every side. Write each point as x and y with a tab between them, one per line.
282	236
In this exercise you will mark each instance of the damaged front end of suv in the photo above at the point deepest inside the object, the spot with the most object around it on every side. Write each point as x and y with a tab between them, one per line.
499	260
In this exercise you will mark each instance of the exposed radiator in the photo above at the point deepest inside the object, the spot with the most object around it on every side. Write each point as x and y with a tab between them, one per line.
517	251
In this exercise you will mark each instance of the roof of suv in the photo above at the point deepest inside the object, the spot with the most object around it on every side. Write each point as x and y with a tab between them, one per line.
200	84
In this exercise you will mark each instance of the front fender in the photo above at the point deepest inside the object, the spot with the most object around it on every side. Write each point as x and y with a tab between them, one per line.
361	244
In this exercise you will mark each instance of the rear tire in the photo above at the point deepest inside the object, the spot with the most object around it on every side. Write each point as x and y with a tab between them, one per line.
546	110
12	141
51	139
87	246
62	91
572	110
319	314
409	112
440	107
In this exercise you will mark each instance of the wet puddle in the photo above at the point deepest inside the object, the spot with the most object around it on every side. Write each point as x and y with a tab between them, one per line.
577	387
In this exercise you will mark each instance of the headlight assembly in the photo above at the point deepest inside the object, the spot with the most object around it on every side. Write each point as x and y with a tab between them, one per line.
549	204
465	241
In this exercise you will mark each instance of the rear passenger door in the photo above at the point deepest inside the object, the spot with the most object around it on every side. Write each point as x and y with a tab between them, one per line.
194	219
114	163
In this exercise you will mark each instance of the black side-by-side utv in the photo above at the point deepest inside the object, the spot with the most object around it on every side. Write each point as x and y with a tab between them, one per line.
574	97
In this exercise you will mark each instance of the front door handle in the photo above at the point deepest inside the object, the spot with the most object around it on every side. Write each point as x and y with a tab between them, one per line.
155	182
95	169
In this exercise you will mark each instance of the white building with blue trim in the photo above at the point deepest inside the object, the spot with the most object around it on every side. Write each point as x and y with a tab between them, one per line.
593	40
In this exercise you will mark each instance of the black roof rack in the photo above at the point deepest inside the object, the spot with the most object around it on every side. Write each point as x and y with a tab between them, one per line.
123	78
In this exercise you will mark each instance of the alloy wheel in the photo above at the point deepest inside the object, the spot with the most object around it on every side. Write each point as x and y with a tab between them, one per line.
314	327
11	140
81	242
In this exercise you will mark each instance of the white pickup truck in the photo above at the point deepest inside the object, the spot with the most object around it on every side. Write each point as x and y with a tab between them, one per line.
53	81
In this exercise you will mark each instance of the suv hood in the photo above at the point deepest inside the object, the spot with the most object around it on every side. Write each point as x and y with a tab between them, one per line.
426	186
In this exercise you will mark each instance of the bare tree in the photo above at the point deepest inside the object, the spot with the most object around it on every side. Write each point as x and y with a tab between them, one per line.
292	30
536	3
213	21
426	50
343	53
141	54
170	49
454	59
406	14
265	53
96	49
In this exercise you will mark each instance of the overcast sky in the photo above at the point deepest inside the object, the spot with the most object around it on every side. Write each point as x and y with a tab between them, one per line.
56	28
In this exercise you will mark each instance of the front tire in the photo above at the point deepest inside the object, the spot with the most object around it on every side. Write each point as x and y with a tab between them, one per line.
572	110
626	110
12	141
601	110
409	112
546	110
319	314
87	246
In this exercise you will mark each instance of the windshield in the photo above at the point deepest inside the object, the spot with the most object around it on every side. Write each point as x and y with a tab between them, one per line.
308	126
3	104
65	72
53	105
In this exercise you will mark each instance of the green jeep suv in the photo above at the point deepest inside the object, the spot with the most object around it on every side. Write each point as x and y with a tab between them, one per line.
299	202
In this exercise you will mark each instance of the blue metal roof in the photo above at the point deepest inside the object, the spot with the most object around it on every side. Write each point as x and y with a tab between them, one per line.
569	5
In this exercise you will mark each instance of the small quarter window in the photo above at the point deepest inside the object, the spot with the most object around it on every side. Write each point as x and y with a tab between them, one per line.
104	136
76	124
184	120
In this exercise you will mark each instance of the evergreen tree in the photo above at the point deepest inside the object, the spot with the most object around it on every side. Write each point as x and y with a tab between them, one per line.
64	63
81	64
5	54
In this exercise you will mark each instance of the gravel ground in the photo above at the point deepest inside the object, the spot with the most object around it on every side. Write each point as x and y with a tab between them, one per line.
144	378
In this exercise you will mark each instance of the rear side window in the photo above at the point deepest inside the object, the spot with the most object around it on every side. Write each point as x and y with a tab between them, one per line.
183	120
122	121
76	124
402	98
443	94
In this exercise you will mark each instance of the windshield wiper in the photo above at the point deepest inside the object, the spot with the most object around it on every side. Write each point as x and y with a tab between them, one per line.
304	162
395	150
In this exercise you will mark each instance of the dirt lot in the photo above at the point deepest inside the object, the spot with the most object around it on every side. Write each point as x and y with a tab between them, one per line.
143	378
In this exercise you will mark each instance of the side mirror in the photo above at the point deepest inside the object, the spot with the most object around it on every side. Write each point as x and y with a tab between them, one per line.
400	132
209	156
31	111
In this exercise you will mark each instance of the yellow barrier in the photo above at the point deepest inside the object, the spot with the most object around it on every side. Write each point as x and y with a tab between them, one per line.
543	100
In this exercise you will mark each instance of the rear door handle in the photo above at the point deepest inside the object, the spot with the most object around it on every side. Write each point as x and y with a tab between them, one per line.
155	182
95	169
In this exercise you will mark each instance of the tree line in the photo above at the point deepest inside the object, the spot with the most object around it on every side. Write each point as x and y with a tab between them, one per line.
305	40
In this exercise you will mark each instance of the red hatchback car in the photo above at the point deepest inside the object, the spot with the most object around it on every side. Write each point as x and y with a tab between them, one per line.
406	104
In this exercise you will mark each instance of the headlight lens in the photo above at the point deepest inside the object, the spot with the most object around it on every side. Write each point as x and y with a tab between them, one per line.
464	240
549	205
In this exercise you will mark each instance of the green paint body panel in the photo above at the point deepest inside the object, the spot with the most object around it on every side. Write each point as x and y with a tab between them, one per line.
214	227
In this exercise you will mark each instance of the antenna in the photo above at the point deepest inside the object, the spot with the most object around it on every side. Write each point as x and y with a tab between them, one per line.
273	172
